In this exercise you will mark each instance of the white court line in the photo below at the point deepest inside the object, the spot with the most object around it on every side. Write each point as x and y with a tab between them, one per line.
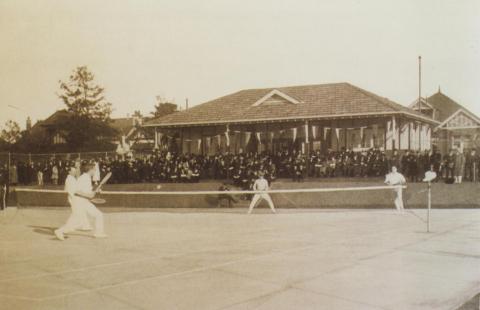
205	268
174	274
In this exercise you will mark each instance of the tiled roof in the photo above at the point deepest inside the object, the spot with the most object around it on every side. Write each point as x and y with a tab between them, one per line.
444	105
315	101
122	125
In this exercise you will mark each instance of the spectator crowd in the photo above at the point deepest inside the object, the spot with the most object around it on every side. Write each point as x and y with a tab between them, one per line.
242	169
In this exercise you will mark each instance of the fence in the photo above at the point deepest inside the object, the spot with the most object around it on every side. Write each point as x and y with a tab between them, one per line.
7	158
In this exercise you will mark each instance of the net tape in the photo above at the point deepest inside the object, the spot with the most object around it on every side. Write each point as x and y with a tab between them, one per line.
229	192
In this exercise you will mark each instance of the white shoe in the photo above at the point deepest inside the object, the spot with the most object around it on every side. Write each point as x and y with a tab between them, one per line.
100	235
59	235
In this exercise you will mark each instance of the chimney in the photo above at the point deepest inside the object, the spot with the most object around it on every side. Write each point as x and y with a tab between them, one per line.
29	124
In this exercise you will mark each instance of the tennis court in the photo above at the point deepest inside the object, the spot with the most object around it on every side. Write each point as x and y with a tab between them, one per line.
225	259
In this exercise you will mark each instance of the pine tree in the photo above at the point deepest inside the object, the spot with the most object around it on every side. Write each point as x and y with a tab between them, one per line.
83	97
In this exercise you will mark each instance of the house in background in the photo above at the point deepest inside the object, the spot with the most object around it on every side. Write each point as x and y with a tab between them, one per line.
46	136
459	128
131	132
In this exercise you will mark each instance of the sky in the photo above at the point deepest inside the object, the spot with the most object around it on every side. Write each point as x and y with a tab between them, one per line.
201	50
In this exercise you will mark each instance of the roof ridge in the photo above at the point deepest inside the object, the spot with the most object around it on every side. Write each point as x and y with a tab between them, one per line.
294	86
384	100
459	106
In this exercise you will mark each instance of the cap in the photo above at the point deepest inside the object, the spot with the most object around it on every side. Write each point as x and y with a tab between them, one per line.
429	176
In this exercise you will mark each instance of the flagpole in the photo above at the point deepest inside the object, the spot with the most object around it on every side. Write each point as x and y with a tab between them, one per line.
419	82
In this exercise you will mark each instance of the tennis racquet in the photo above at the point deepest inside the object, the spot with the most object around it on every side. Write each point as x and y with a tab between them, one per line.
104	180
98	200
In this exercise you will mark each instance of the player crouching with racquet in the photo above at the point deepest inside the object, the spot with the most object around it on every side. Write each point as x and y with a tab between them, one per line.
82	200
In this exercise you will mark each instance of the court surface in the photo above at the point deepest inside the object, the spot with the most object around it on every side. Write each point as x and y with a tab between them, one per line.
225	259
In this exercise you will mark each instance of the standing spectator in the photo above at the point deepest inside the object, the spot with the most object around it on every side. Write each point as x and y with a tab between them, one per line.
40	177
394	160
471	165
55	174
412	167
449	164
459	168
435	160
96	175
13	174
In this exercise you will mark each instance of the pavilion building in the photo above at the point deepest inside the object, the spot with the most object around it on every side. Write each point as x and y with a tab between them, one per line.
306	118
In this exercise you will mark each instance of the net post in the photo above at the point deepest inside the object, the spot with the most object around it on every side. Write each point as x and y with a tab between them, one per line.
429	205
6	186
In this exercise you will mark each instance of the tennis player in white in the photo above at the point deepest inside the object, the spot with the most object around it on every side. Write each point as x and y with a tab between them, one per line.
78	218
261	185
395	178
84	193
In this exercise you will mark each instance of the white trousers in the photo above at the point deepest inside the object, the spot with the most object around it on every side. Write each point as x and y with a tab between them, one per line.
79	220
257	197
399	199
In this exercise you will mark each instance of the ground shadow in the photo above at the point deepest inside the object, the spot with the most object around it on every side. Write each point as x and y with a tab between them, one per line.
43	230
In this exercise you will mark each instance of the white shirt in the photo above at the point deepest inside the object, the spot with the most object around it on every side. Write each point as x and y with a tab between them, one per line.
260	185
70	186
395	178
84	184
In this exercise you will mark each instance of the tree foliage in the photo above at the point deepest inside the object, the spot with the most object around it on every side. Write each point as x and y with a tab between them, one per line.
87	125
83	97
163	107
11	132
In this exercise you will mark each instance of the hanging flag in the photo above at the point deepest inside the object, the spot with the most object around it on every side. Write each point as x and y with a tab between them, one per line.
375	129
394	127
272	134
314	132
219	140
294	133
306	133
209	142
361	133
258	138
325	131
337	133
227	137
247	137
199	144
